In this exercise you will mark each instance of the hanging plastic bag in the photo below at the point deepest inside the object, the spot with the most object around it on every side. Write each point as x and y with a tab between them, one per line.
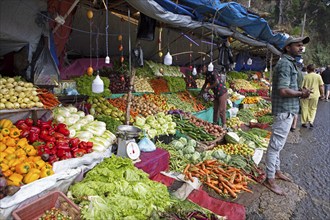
146	145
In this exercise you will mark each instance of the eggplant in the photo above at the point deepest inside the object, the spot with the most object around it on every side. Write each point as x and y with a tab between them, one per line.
11	190
45	157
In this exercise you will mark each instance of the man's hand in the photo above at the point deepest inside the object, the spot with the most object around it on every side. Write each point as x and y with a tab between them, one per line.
305	93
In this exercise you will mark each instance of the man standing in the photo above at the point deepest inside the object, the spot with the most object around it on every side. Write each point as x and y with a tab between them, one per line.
285	104
326	79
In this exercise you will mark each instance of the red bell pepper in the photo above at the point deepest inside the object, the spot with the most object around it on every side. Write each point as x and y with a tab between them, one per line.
47	138
58	135
29	122
32	137
44	125
24	133
60	153
52	159
51	131
34	129
89	144
89	150
82	144
74	142
20	124
50	144
62	140
64	131
79	153
64	146
43	150
59	126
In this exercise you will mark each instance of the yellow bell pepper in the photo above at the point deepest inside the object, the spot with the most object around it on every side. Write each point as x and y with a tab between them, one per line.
40	164
14	132
20	152
35	158
30	177
10	156
15	179
35	170
10	150
28	148
3	155
46	172
13	162
47	166
4	167
5	123
7	173
32	152
10	142
2	147
22	142
22	168
1	137
5	131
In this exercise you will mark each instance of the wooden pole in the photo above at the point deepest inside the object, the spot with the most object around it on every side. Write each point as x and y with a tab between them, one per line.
66	15
129	97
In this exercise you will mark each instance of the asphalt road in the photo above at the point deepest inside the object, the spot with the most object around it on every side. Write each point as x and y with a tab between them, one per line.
308	162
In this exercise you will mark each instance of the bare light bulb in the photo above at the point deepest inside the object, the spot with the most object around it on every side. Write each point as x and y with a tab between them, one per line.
168	59
194	72
210	67
107	59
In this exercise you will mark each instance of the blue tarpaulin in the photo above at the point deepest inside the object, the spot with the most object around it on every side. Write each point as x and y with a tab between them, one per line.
258	64
229	14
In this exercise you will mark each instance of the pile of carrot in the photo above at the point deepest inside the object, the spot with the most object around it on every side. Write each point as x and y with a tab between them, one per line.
48	99
187	97
159	85
223	179
121	105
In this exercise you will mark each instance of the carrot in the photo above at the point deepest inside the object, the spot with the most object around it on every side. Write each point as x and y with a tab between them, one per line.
190	177
208	180
186	169
203	166
225	191
195	174
232	177
220	185
231	192
247	190
214	188
210	162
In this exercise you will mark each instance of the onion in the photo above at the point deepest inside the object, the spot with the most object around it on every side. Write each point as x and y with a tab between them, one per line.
19	88
10	80
2	106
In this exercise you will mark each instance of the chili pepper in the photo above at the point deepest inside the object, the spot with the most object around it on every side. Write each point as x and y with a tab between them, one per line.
79	153
64	131
34	129
29	122
74	142
33	137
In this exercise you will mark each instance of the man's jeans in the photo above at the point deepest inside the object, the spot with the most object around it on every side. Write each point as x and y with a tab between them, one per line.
280	130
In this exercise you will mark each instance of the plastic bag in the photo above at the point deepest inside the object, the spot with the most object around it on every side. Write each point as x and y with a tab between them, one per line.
146	145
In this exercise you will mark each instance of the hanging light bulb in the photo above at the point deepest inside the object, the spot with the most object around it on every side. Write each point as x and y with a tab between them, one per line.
249	62
210	67
194	72
266	70
107	59
98	84
168	59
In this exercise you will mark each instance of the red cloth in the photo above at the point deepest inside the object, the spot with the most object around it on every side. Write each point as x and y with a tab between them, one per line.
79	67
154	162
232	211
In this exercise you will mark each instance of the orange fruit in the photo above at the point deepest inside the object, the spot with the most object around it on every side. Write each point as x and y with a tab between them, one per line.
120	37
160	54
90	71
90	14
120	48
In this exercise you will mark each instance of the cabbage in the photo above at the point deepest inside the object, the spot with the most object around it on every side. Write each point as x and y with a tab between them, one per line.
81	114
171	125
161	114
219	154
183	140
232	137
72	109
84	135
171	131
146	127
152	133
168	118
188	156
192	142
177	144
161	121
150	119
63	112
140	121
195	157
188	150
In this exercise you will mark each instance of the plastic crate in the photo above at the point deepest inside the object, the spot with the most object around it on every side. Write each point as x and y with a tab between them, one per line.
54	199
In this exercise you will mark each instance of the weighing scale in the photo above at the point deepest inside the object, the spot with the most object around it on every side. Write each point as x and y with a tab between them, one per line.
127	146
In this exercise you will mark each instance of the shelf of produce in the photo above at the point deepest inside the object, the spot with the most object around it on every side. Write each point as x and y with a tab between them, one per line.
17	114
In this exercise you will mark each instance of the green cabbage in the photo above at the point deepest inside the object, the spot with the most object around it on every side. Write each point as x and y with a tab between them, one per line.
189	150
177	144
140	121
196	156
183	140
219	154
192	142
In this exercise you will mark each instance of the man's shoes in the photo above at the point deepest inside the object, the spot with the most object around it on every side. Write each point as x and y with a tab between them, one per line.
304	125
292	129
311	125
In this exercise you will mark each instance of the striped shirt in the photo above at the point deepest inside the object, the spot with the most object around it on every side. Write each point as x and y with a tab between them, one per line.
286	75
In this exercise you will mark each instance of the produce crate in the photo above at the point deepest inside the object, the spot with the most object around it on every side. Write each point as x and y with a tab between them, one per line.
54	199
